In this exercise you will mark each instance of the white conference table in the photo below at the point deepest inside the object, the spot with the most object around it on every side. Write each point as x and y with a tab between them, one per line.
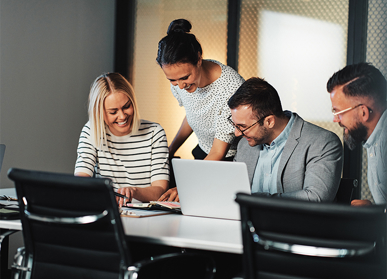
174	230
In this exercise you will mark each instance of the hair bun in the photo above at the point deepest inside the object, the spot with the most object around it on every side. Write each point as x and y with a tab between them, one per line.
179	25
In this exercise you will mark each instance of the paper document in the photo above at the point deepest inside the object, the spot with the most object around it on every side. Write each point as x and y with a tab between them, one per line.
137	213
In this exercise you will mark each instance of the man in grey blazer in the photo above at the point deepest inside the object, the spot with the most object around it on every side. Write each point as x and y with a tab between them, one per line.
285	155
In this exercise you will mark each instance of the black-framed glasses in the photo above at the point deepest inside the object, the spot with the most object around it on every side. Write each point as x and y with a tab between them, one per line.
244	130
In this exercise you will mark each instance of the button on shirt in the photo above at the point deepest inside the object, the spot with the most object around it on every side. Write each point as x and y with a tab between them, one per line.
376	146
265	176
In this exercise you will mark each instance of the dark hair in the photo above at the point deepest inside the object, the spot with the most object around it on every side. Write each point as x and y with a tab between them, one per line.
363	80
260	95
179	46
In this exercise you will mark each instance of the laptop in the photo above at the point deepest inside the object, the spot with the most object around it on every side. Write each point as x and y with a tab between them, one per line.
208	188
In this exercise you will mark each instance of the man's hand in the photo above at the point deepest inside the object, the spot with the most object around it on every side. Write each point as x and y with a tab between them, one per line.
360	203
170	195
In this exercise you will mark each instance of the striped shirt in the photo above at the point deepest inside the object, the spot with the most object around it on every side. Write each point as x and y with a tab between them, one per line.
131	160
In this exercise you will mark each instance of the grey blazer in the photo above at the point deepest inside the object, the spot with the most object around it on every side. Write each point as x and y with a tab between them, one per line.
310	165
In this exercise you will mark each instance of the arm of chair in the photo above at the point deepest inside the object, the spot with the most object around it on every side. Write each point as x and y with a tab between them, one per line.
311	247
5	234
171	266
66	220
345	191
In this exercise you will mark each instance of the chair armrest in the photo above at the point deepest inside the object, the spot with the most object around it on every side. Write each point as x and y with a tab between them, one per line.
174	265
81	220
5	234
309	246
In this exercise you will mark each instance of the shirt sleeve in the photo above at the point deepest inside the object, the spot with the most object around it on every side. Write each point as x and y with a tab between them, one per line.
160	155
224	129
176	95
380	171
87	153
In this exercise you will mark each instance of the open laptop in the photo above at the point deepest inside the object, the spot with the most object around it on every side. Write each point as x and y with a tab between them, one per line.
208	188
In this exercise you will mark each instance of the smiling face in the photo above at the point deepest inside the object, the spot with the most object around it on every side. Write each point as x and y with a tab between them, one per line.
118	113
243	117
354	129
186	75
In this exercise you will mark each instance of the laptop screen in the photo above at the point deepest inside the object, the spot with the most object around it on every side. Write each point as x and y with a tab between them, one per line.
208	188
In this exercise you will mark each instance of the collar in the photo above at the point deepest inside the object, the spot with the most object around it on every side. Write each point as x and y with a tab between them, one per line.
283	137
374	137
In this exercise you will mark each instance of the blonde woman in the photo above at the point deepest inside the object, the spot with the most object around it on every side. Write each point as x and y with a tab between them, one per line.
117	144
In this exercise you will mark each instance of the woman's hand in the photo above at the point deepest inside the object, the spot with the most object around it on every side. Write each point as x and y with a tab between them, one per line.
142	194
128	192
170	195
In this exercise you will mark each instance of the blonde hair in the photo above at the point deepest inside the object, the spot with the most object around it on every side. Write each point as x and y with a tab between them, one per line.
102	87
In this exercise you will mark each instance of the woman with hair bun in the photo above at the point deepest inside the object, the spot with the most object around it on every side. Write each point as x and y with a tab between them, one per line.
203	87
115	143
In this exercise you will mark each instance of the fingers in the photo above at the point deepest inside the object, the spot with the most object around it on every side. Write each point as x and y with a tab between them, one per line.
165	196
173	196
127	191
360	203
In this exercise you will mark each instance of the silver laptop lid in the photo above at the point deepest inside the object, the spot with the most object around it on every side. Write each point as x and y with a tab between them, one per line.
208	188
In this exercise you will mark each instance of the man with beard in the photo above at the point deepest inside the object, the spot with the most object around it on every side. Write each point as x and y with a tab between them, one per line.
286	156
358	96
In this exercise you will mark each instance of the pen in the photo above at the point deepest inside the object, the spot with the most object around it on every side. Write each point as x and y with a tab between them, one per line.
121	196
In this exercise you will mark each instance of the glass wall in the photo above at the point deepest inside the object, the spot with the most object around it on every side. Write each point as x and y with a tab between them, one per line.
295	45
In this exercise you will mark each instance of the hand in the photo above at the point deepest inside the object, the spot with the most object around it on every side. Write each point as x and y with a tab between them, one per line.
170	195
128	192
360	203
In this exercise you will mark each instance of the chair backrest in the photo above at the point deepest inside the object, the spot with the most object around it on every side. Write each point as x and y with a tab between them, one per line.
2	152
345	191
71	226
298	239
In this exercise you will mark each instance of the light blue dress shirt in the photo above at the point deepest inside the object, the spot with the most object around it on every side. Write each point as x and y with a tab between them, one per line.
376	146
265	176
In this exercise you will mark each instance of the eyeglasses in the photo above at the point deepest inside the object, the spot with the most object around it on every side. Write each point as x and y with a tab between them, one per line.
336	113
244	130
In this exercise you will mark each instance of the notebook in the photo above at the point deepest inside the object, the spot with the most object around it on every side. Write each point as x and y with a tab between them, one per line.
208	188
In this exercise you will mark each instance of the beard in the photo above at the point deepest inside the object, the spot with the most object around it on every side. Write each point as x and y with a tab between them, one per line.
261	138
355	136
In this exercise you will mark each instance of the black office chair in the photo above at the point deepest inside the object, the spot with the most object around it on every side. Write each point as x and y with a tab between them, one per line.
4	234
72	229
345	191
286	239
